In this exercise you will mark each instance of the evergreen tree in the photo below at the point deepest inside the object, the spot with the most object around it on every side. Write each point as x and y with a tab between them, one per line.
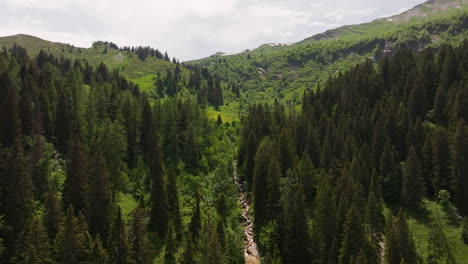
399	243
262	163
324	221
465	231
53	214
138	237
173	203
71	244
63	125
33	245
412	188
16	193
354	240
195	222
75	189
459	166
118	246
390	174
171	248
99	253
296	244
250	159
159	216
440	158
100	210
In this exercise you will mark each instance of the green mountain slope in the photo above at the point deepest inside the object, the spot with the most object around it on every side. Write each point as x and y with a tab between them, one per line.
284	72
136	70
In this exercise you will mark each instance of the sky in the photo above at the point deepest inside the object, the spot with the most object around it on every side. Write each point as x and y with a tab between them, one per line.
188	29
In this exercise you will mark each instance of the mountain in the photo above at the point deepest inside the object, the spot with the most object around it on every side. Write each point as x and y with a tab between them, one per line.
127	62
281	71
284	72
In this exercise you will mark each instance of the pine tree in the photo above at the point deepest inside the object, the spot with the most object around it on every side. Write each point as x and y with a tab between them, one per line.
273	186
62	123
399	243
173	203
138	237
118	246
324	221
195	222
159	216
374	217
75	189
262	163
308	179
417	100
439	106
296	244
53	214
459	167
390	175
354	240
171	248
100	210
440	159
250	159
147	133
465	231
99	253
70	244
33	245
16	193
412	188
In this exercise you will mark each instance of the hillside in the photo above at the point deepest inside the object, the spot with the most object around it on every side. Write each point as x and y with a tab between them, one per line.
127	62
284	72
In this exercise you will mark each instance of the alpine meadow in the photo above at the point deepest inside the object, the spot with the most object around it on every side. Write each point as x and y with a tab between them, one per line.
347	147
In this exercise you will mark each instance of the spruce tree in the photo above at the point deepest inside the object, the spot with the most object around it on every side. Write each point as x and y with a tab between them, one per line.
159	215
138	236
63	124
412	188
465	231
250	159
354	240
53	213
459	167
100	193
399	244
70	244
75	189
117	245
98	254
33	245
171	247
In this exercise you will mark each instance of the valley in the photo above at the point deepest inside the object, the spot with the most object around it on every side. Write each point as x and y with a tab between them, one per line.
350	146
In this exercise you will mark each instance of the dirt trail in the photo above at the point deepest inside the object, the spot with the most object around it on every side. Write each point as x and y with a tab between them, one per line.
251	253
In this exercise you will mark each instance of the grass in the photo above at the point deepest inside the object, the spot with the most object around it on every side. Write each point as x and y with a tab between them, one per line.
418	224
126	203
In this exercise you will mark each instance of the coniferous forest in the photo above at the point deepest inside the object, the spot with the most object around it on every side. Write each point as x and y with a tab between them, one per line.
368	166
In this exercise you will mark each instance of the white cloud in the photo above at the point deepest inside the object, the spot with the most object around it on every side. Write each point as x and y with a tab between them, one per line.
187	29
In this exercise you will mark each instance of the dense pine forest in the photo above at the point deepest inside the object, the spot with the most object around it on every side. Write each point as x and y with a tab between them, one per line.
93	171
335	181
350	147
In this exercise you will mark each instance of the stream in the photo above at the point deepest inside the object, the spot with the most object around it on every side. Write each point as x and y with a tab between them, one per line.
251	253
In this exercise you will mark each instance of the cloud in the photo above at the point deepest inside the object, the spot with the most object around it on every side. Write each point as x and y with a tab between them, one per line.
187	29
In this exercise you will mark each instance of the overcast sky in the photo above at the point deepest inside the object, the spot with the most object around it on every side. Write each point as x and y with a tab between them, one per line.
188	29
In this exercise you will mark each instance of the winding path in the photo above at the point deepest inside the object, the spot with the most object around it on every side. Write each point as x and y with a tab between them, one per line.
251	254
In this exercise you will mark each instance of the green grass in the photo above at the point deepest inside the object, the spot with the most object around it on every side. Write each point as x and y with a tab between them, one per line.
126	203
418	224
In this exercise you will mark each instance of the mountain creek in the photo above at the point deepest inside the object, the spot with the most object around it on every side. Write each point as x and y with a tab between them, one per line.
251	252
